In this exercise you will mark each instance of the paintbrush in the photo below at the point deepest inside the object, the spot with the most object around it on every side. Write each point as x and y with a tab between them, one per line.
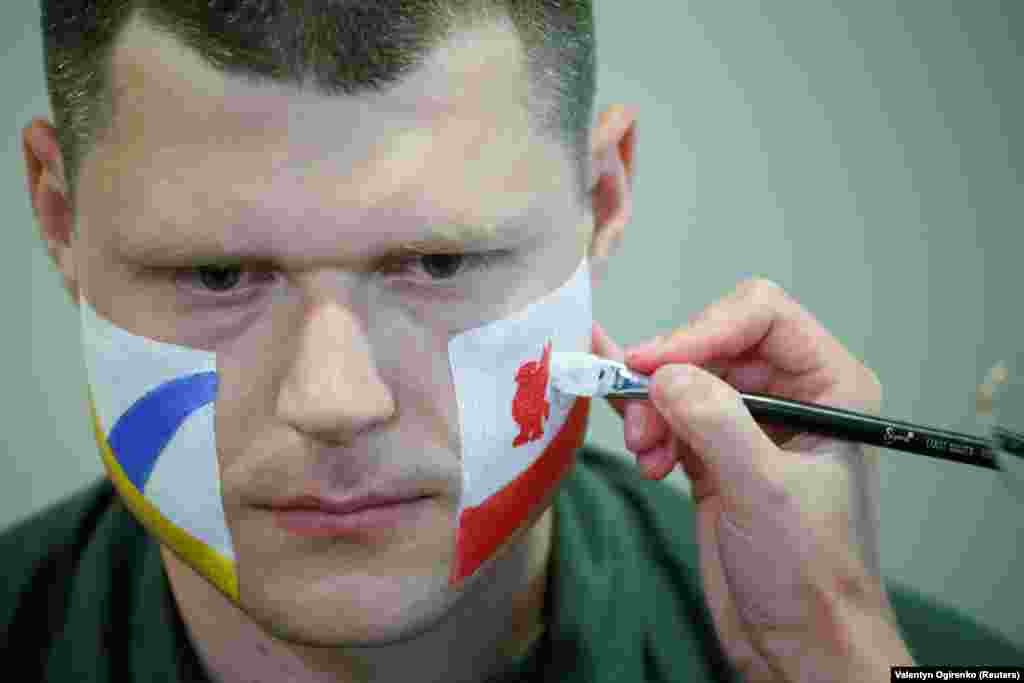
584	374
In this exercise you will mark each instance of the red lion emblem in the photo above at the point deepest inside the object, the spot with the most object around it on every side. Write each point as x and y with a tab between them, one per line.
530	406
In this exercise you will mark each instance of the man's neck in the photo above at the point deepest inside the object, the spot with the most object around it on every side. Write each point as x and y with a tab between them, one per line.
474	642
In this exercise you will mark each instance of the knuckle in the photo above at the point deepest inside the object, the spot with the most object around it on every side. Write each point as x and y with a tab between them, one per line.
711	314
756	290
761	288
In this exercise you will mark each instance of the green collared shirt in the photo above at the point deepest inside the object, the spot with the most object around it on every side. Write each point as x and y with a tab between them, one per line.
84	596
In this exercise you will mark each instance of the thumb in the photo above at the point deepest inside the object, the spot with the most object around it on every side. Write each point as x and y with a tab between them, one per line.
710	417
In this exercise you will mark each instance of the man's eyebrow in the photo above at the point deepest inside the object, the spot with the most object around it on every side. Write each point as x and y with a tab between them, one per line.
174	246
456	236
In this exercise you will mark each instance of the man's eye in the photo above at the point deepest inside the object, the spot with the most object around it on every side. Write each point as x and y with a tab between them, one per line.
227	279
442	267
219	278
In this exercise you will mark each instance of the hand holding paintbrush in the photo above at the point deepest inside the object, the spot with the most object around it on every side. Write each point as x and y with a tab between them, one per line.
582	374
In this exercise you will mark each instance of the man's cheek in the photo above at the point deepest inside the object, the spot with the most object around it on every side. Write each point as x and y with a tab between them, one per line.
153	409
518	437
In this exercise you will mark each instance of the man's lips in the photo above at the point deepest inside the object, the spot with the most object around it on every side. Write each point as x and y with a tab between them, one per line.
346	505
313	516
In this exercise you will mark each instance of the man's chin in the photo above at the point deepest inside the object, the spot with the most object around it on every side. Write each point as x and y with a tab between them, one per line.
350	610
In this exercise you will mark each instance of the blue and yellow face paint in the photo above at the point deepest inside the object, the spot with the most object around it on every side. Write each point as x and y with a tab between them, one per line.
153	406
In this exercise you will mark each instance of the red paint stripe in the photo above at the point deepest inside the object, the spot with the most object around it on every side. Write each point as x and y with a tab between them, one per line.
482	529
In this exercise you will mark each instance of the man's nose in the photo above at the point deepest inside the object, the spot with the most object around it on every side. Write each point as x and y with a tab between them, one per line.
332	390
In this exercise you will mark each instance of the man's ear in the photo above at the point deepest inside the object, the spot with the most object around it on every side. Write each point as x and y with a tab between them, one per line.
48	194
613	154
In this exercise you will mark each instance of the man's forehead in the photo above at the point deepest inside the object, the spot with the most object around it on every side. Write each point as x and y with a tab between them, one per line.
451	144
468	68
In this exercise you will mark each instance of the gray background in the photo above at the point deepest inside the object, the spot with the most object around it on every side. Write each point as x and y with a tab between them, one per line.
863	154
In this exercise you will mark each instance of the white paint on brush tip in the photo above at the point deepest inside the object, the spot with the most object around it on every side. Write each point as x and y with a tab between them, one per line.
575	373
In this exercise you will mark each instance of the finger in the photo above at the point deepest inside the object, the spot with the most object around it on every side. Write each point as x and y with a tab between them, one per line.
754	375
658	462
758	316
727	336
708	415
605	347
644	426
711	317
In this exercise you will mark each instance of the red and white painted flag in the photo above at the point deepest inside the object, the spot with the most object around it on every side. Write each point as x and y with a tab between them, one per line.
518	436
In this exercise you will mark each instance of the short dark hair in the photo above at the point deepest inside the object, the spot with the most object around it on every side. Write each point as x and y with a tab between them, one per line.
337	46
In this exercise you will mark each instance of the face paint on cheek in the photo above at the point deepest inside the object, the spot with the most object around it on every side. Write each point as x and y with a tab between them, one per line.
152	407
518	436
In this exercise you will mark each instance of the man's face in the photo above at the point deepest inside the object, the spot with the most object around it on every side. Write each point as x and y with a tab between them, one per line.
330	329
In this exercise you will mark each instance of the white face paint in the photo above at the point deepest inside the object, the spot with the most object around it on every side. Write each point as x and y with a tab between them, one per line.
154	405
